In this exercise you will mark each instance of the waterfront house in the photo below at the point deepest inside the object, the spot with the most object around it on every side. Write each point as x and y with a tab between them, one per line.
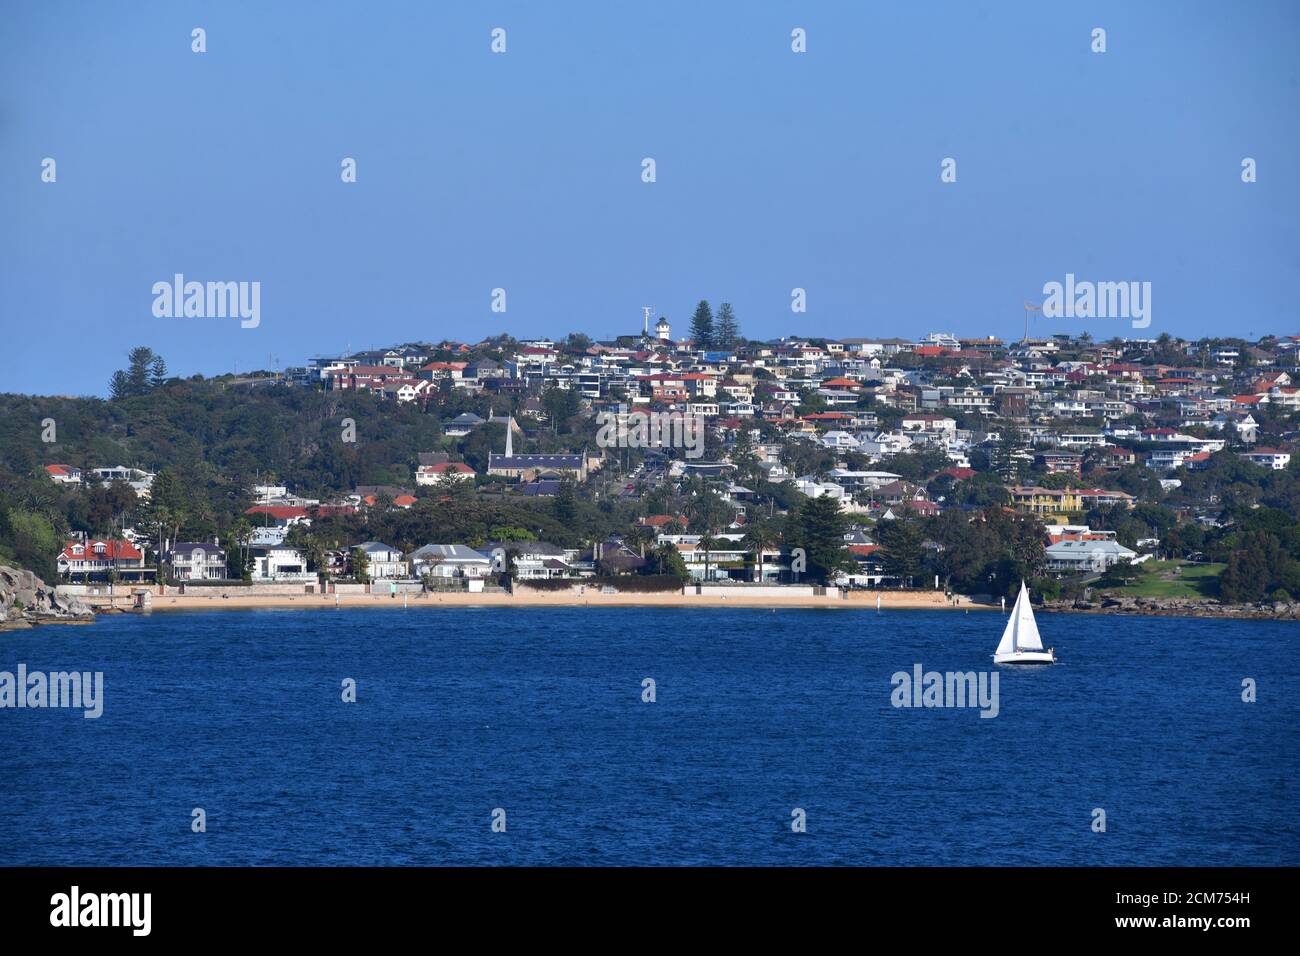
1086	555
101	560
446	561
384	561
279	563
197	561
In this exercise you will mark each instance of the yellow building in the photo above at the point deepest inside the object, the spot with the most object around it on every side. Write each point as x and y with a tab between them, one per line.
1046	501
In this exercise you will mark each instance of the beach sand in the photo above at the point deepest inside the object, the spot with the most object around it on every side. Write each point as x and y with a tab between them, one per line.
859	600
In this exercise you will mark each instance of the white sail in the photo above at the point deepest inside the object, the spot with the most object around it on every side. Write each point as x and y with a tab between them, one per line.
1021	633
1008	642
1027	638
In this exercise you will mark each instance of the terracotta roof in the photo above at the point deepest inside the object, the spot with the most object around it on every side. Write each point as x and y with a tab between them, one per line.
120	550
277	511
459	467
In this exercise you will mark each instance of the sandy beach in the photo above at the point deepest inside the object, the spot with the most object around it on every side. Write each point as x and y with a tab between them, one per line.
859	600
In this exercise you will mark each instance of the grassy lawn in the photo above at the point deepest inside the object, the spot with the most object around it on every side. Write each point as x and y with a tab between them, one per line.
1160	581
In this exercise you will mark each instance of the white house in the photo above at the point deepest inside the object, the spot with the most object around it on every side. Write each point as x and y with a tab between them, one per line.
197	561
449	561
279	563
454	470
1086	555
385	562
1274	458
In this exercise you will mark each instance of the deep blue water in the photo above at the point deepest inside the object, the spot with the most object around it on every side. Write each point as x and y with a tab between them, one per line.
539	712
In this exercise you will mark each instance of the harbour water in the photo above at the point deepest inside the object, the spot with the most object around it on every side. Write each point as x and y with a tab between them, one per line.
756	714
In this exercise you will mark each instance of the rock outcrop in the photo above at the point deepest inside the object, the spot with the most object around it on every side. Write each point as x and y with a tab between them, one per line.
1182	607
25	600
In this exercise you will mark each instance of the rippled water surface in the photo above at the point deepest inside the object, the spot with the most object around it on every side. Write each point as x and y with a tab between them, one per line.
540	712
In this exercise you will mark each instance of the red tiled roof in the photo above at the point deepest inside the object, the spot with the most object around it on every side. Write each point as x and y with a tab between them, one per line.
459	467
122	550
277	511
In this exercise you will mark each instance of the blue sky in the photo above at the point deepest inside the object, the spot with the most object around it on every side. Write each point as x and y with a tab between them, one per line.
522	171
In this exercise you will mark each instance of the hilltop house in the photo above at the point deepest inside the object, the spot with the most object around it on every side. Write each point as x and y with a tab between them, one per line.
452	470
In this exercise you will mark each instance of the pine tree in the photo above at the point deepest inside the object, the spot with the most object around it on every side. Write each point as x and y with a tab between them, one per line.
137	373
702	325
157	371
820	531
727	330
564	506
901	542
119	386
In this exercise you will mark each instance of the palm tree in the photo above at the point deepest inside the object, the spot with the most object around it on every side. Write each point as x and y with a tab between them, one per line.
757	539
707	542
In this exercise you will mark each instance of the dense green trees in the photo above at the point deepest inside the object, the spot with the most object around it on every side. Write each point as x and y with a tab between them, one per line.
987	551
1259	568
145	371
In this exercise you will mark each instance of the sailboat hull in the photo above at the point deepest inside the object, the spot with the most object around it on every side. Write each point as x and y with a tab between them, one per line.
1025	657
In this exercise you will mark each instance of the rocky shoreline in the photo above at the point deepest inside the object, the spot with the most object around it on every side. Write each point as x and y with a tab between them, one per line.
27	601
1180	607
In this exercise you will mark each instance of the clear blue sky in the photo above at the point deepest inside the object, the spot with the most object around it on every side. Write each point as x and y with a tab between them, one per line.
522	170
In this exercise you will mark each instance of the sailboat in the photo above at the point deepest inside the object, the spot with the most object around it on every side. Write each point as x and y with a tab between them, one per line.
1020	642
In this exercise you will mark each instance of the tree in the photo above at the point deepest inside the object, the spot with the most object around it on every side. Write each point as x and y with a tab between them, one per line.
576	342
707	543
900	542
157	371
360	566
240	559
1008	457
668	560
820	529
119	386
565	503
758	539
561	404
145	371
35	541
141	359
743	455
702	325
707	512
727	330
